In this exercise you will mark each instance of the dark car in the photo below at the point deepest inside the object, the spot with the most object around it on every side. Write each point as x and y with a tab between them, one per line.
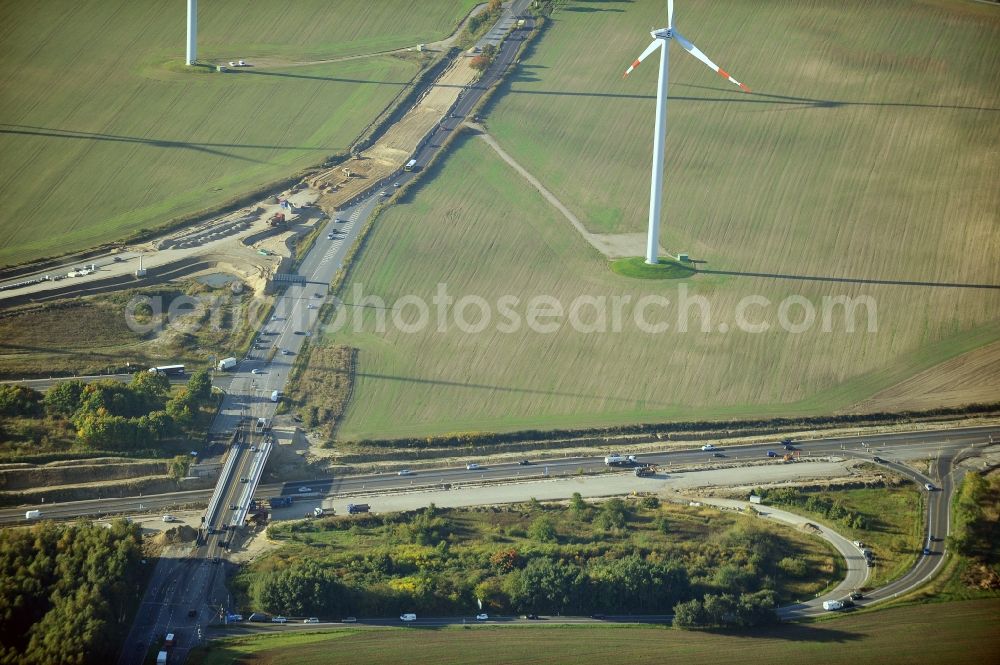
597	616
878	459
524	462
192	614
718	455
856	595
533	617
927	551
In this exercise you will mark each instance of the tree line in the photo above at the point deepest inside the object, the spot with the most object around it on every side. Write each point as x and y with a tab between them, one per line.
111	415
66	592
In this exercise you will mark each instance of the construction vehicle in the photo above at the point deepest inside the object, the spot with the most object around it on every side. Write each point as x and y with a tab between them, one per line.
277	219
645	471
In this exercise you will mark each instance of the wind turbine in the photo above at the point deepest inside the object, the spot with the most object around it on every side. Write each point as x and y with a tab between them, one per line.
192	32
661	39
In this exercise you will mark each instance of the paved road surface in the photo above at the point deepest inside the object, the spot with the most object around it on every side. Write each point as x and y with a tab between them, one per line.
265	371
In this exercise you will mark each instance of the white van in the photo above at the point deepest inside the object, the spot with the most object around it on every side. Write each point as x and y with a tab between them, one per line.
408	617
33	514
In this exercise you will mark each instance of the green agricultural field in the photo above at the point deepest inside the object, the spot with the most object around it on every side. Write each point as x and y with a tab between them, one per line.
104	131
963	632
866	152
477	227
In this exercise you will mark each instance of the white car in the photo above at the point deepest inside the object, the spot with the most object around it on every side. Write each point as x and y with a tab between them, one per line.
329	236
255	370
707	447
305	490
471	466
404	472
286	352
279	620
170	518
482	617
311	620
408	617
310	306
929	487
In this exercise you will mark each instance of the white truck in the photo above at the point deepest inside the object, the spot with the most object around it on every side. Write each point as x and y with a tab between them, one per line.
614	459
226	363
33	515
831	605
161	658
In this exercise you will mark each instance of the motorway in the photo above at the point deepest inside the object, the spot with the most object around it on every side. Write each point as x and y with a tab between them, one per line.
891	449
194	584
264	372
891	446
194	581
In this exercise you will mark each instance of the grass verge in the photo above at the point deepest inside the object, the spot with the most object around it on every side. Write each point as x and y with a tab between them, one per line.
636	267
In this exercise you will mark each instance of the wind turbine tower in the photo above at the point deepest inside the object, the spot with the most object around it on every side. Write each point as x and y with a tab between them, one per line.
192	44
661	40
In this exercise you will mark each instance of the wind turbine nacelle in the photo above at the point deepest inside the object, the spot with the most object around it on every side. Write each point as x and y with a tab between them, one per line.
663	33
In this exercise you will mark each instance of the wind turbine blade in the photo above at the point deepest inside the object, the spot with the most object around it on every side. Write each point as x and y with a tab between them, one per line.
696	52
670	13
649	49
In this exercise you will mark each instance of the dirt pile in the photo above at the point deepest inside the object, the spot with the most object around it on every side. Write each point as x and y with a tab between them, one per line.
175	535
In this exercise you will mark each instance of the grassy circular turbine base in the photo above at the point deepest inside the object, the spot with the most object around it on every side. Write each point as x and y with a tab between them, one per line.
636	267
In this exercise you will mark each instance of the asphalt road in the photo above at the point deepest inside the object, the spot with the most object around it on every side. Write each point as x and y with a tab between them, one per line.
889	446
265	371
892	446
946	445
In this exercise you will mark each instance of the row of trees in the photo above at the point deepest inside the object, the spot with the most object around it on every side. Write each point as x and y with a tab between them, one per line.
111	415
630	585
743	611
66	591
832	509
544	584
